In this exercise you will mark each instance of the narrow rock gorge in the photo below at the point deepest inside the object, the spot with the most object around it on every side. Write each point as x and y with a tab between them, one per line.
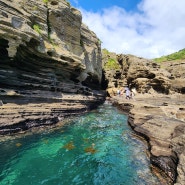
51	69
50	64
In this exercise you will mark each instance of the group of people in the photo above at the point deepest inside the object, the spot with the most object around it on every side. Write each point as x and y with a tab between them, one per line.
129	94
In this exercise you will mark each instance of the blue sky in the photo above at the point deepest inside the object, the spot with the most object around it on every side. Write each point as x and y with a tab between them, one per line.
145	28
98	5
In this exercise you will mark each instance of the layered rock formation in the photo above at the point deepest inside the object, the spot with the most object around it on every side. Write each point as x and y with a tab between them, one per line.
46	55
177	71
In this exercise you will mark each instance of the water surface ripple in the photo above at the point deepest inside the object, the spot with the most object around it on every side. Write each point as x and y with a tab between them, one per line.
97	148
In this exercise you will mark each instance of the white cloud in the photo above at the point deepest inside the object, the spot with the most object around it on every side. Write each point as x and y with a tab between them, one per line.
157	29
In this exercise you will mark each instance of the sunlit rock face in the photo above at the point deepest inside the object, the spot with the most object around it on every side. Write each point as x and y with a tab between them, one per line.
177	71
145	75
46	52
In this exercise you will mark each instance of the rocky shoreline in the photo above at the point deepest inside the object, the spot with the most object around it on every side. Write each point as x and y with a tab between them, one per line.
51	68
42	112
160	119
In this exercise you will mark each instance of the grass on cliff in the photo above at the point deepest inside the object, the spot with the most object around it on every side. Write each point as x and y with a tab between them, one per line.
111	64
105	51
180	55
36	27
45	1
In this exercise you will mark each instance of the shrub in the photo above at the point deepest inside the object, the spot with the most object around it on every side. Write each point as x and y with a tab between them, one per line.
36	27
111	64
105	51
99	41
174	56
45	1
81	43
68	3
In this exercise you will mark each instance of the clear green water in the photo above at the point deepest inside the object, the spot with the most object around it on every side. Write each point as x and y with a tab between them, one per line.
96	149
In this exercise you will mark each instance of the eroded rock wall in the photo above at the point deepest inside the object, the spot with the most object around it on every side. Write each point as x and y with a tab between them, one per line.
46	54
49	35
145	75
177	71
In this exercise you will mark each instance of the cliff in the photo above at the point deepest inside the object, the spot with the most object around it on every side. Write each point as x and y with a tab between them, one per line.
50	64
145	75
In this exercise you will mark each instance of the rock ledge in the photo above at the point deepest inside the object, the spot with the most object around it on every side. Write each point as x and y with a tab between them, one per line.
160	119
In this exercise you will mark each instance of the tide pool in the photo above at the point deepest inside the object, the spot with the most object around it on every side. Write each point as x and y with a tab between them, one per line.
97	148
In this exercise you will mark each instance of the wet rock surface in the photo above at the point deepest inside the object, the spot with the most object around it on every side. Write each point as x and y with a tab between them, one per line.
26	112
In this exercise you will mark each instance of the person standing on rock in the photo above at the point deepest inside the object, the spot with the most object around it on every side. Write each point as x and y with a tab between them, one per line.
118	92
133	92
127	91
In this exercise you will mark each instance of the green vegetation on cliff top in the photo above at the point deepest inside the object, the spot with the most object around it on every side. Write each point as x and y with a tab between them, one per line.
111	64
45	1
180	55
110	60
105	51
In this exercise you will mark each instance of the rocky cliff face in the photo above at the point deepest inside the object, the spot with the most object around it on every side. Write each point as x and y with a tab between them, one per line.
46	52
157	110
177	71
49	35
144	75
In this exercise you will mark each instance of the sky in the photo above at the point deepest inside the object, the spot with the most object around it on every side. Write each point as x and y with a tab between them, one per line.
145	28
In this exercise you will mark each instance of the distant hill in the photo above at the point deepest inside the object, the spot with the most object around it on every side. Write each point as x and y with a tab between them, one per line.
174	56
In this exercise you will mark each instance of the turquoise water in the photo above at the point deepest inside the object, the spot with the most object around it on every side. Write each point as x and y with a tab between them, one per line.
97	148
